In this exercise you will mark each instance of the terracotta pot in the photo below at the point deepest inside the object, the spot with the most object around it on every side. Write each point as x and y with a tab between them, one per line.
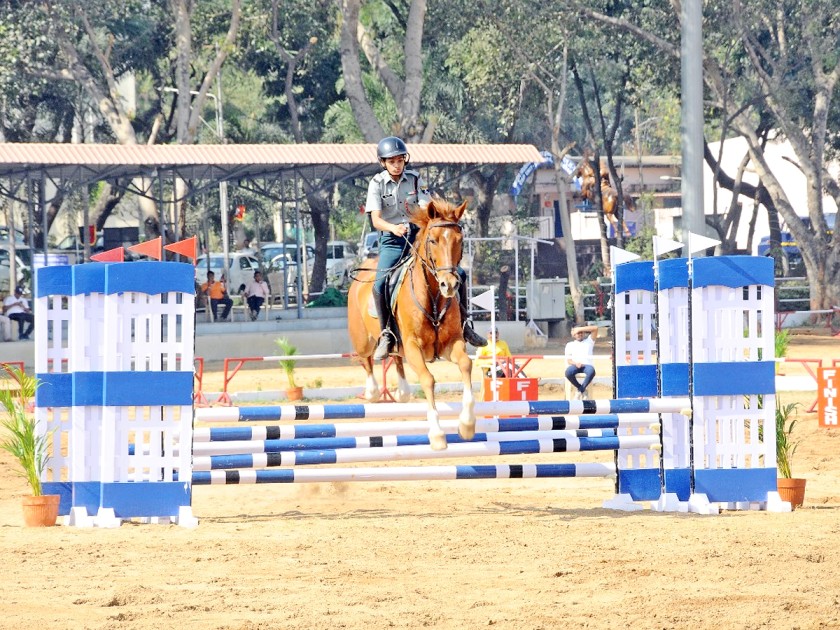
792	491
41	511
294	393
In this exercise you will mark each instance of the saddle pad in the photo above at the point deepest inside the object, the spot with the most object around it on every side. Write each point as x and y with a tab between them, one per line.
395	280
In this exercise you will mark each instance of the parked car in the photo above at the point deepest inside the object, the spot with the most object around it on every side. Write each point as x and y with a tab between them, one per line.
793	257
369	246
23	266
341	260
282	258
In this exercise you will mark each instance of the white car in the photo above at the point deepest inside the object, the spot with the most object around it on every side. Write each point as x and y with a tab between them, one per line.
369	246
23	261
341	260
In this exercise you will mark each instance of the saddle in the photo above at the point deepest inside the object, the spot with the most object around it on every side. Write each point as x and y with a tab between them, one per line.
396	277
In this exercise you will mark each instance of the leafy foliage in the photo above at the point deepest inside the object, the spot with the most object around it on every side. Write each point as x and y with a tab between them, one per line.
22	440
786	418
286	348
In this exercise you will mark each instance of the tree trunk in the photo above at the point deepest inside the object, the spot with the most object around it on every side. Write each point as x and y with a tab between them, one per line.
352	72
504	281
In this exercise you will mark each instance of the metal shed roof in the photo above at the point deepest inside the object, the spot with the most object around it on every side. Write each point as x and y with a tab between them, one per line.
90	162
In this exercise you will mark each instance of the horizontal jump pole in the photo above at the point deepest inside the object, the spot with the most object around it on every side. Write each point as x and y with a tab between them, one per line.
314	444
445	409
421	427
399	453
407	473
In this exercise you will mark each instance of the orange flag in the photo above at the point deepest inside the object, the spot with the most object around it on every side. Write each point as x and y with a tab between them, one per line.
152	248
112	255
188	247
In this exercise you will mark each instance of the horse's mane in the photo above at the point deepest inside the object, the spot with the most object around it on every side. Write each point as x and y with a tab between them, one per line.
438	209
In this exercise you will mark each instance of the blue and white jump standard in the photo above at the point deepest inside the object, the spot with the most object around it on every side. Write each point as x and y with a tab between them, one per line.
701	328
114	358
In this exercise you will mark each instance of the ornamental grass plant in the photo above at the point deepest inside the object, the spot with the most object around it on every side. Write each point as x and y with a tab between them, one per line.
21	439
786	419
286	348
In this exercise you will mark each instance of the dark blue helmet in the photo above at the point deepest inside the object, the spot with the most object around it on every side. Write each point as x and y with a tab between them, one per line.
390	147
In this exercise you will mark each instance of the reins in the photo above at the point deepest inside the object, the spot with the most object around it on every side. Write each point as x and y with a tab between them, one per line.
435	317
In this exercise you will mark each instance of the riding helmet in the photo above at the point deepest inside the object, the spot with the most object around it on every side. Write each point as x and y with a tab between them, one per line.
390	147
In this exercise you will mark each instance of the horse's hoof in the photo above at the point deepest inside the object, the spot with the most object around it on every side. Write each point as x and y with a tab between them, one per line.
403	397
437	441
466	431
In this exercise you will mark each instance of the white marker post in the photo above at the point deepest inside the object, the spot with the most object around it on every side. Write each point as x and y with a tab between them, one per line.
487	301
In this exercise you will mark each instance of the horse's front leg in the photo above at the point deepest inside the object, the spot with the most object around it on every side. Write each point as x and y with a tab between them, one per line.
403	388
414	356
466	421
372	392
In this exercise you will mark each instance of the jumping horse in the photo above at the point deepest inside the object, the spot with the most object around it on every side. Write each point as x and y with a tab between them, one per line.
427	314
609	195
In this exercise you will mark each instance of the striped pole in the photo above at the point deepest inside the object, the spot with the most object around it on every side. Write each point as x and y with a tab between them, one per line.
421	427
445	409
313	444
398	453
408	473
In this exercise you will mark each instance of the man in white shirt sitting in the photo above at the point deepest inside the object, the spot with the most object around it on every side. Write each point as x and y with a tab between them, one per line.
256	293
578	354
16	307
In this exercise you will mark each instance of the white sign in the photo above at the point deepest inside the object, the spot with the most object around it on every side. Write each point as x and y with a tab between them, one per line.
49	260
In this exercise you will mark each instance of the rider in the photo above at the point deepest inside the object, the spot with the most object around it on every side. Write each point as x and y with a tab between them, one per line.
393	195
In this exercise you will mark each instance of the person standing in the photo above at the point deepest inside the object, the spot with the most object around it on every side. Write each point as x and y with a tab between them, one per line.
217	292
578	355
256	293
16	308
393	194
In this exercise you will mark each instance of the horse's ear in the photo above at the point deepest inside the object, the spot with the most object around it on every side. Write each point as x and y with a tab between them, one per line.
432	210
459	211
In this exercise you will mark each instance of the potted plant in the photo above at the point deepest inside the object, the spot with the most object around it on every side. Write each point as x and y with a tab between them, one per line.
781	341
790	489
287	349
28	447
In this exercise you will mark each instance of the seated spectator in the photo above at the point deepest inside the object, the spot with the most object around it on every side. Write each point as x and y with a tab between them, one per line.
256	293
217	292
16	307
579	358
484	356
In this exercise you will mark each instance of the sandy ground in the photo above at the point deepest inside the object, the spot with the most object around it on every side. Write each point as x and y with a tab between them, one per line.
519	554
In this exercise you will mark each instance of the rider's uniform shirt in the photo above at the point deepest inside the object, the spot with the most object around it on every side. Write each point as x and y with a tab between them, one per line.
389	197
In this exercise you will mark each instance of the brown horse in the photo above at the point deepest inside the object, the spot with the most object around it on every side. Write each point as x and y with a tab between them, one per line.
426	312
609	195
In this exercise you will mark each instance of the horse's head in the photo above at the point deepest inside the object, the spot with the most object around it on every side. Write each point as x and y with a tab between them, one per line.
440	243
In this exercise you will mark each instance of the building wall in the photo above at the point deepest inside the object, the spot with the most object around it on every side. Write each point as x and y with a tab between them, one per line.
782	162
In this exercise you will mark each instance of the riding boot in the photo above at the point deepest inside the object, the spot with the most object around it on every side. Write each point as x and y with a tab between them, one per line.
470	336
386	337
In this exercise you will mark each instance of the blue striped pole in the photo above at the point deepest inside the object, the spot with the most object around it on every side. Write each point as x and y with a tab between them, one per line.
311	444
445	409
398	453
421	427
395	473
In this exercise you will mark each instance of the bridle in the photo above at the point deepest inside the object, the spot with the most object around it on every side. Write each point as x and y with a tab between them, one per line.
435	317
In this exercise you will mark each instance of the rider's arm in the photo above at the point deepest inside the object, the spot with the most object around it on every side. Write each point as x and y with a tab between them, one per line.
385	226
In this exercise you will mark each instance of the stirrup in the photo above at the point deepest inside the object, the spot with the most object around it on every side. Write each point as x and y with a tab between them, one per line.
472	337
383	348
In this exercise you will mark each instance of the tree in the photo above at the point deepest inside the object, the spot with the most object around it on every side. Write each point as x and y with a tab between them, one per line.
98	47
403	84
777	60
